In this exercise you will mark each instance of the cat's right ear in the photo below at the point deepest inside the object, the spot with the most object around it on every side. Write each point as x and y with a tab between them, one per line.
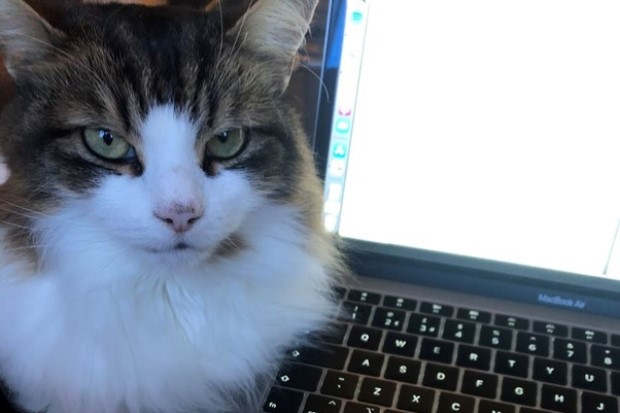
25	36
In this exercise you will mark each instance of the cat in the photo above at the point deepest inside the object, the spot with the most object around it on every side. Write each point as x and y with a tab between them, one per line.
160	213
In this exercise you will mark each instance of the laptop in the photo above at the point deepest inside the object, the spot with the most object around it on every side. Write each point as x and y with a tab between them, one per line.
469	154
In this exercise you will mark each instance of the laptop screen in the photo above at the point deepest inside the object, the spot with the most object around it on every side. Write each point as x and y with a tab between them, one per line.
483	129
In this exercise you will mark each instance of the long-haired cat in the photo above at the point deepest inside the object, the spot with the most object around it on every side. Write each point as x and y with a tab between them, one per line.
161	240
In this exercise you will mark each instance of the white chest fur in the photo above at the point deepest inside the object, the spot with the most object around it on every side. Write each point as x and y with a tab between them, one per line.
90	334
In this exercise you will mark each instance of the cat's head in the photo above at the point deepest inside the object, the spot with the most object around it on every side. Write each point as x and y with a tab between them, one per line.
158	127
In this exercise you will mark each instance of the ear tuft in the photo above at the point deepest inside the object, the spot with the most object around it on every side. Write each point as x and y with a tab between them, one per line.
24	35
276	29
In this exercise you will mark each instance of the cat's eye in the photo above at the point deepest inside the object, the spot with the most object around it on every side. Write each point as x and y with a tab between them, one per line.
106	144
227	145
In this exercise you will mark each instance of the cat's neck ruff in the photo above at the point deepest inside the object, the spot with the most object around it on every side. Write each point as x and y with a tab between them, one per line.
105	324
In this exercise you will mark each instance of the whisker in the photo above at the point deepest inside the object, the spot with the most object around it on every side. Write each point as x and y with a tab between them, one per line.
23	208
241	24
24	248
321	82
14	225
19	214
221	12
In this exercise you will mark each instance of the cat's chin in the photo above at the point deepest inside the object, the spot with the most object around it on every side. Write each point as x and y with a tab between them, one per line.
180	252
183	252
179	246
184	249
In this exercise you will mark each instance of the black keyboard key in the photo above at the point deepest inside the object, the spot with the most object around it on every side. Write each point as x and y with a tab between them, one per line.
333	357
364	297
353	407
511	364
435	350
388	318
495	337
441	377
416	399
400	344
570	350
473	315
379	392
512	322
459	331
519	391
473	357
364	362
404	370
355	313
550	371
322	404
487	406
365	337
298	376
589	378
554	329
425	325
399	302
615	383
333	334
605	357
455	403
339	384
479	384
591	402
436	309
587	334
559	399
528	410
283	401
535	344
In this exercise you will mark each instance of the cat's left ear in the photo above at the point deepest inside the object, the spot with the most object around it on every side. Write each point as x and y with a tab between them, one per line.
276	29
25	36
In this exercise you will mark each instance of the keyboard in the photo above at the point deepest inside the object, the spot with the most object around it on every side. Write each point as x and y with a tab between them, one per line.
389	354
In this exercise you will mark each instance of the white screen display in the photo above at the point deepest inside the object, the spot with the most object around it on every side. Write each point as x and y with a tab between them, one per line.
482	128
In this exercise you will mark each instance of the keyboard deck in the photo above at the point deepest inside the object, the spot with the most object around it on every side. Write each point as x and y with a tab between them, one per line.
389	354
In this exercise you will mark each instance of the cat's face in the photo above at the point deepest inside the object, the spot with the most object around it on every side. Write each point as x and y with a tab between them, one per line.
155	127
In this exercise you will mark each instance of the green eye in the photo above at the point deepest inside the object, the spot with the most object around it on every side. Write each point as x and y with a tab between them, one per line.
227	145
106	144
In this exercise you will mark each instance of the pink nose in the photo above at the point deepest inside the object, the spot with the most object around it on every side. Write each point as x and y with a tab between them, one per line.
179	217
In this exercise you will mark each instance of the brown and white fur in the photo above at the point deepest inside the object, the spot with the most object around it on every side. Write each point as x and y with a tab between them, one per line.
170	280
